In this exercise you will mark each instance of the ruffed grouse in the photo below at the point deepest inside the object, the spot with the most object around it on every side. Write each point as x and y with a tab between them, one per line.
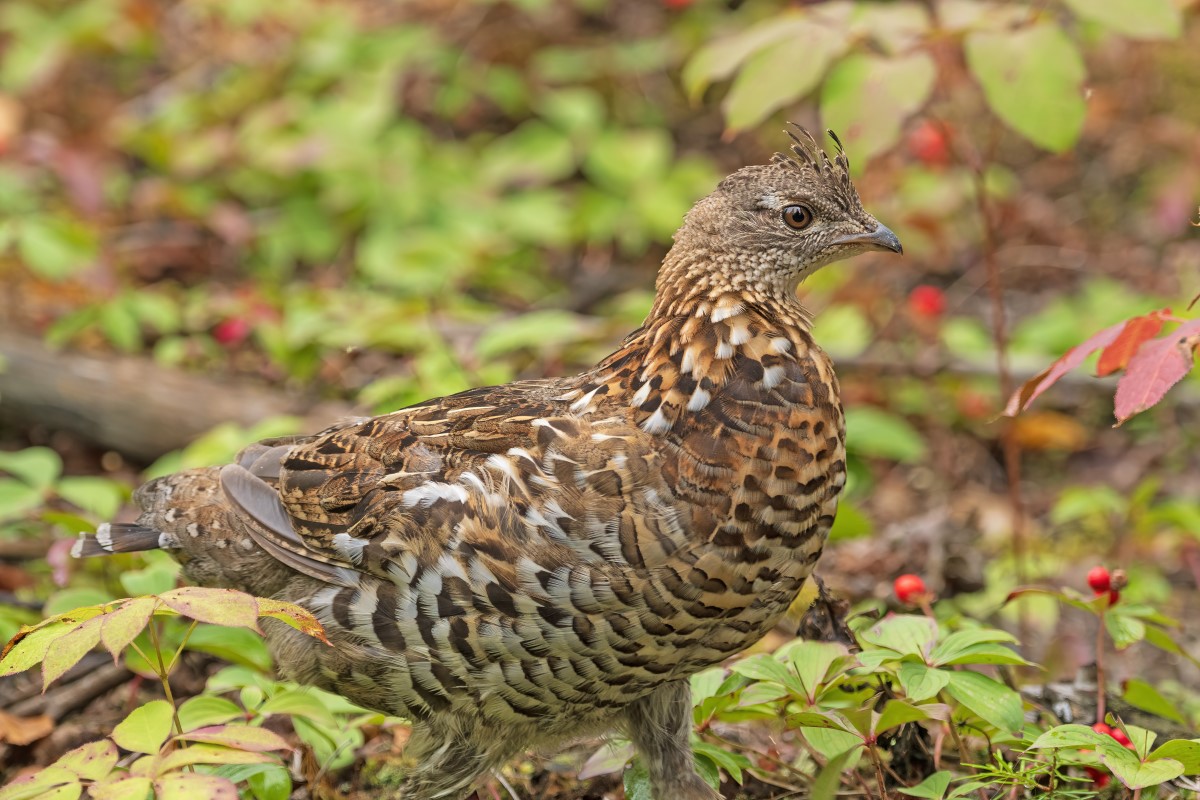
514	566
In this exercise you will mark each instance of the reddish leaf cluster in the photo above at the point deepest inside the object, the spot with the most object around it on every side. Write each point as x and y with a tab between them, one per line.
1152	365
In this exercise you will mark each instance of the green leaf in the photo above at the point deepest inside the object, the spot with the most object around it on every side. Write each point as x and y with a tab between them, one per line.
874	433
157	578
867	98
1137	19
920	681
822	719
217	606
908	634
36	466
850	523
299	703
1070	736
91	761
897	713
932	788
813	661
132	787
1143	695
66	601
238	645
146	727
764	667
205	710
1185	751
1033	79
295	616
829	780
18	498
985	653
991	701
271	784
51	782
242	737
189	786
1124	630
30	646
124	624
718	60
55	248
211	754
69	648
705	684
959	642
780	73
1137	774
535	330
99	496
732	763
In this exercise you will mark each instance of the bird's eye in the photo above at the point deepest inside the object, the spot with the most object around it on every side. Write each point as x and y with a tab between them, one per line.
798	217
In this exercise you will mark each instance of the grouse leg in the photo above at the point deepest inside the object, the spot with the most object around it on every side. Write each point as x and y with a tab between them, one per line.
446	762
660	725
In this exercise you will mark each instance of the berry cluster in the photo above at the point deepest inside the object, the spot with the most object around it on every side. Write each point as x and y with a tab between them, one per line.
1101	581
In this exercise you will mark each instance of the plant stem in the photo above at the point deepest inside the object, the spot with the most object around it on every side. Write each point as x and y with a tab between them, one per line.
162	673
1008	441
878	771
1100	694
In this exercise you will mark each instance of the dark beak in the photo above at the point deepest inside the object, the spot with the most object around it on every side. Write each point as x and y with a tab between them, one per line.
881	238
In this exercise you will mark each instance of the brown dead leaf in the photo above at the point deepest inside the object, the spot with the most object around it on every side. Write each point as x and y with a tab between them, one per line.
1049	430
23	730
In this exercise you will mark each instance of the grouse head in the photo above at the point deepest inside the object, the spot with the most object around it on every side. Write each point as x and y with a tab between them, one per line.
766	227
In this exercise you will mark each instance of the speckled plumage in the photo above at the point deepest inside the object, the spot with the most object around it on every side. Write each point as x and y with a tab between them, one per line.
518	565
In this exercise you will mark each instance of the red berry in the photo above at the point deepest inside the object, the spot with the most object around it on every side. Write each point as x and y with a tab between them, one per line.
1099	777
909	588
1121	738
1113	597
677	4
1103	728
231	331
927	301
929	144
1099	579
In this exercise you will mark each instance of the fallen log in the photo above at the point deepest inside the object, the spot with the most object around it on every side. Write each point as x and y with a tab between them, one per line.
131	404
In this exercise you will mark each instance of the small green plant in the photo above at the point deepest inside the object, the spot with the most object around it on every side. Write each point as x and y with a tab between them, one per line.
952	678
173	739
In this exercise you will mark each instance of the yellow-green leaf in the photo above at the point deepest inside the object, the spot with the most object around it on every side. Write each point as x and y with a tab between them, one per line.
866	99
92	761
299	618
242	737
146	727
132	787
218	606
780	73
189	786
1033	79
1137	19
69	648
122	626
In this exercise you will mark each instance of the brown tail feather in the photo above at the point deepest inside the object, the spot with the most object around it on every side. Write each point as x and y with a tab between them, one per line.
112	538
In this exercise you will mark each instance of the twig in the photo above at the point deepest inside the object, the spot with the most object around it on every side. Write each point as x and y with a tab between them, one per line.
1100	695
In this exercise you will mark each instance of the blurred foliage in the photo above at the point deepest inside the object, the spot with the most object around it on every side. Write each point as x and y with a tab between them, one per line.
392	201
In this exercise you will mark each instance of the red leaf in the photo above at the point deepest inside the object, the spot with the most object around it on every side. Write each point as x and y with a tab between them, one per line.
1133	335
1039	383
1154	369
